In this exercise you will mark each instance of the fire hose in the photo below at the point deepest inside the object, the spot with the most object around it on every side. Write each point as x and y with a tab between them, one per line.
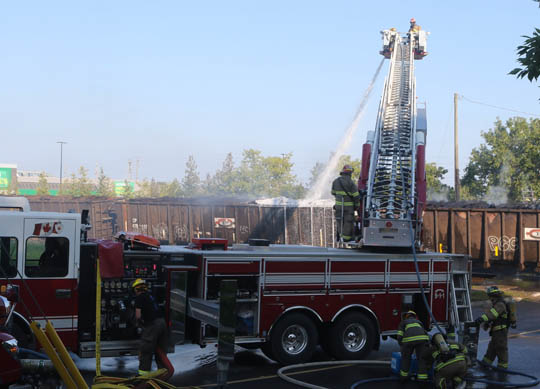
281	372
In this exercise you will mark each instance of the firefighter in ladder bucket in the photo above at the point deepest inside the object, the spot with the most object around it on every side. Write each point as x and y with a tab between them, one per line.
413	338
154	328
347	202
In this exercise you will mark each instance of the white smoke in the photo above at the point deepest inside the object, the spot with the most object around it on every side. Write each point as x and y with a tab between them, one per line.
321	188
498	194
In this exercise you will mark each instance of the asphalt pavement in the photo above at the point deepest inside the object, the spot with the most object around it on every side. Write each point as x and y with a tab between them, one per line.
195	368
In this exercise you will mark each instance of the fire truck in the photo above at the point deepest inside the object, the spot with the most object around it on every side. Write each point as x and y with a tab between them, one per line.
290	298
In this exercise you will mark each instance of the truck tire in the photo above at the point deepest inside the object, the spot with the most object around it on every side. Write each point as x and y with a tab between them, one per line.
266	348
294	339
352	336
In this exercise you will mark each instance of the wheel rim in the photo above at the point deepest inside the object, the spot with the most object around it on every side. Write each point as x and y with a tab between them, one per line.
354	337
294	339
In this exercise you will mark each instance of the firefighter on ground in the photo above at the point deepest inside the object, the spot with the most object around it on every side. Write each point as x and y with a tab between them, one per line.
412	337
347	201
450	360
154	333
496	319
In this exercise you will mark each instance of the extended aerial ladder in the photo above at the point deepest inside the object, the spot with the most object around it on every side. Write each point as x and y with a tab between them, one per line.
392	179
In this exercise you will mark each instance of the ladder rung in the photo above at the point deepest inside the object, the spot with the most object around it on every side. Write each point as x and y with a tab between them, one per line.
463	306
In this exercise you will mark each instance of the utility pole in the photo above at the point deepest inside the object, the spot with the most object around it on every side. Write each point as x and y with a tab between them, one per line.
61	157
456	157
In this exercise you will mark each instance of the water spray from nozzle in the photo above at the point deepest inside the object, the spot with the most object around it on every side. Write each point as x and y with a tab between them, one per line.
321	188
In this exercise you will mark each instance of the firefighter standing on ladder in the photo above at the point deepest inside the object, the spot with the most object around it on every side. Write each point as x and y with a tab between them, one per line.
495	318
347	201
154	332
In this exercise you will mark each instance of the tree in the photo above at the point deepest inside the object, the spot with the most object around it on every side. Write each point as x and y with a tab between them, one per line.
436	189
79	186
223	181
172	189
43	185
191	183
529	56
509	160
128	190
345	159
316	171
105	186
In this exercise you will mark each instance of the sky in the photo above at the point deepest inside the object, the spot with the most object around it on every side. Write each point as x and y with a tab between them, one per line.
158	81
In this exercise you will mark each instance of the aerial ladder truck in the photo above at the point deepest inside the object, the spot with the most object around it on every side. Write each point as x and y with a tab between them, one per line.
392	179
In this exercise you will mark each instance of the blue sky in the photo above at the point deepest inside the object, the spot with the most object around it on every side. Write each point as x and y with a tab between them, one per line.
158	81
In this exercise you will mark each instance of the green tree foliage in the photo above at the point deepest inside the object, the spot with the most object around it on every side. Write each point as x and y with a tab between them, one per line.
345	159
256	176
173	189
509	160
79	186
223	182
128	192
105	186
43	185
191	183
529	56
354	162
266	176
436	189
155	189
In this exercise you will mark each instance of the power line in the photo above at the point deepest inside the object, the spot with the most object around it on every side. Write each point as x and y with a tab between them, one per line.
495	106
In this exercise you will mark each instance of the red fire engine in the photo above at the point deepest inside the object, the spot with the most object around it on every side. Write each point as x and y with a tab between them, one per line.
290	298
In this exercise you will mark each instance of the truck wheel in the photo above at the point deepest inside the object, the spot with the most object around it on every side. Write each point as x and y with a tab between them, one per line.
266	348
352	336
294	339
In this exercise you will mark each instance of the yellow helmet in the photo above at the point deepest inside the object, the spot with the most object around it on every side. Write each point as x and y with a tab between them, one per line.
139	283
410	313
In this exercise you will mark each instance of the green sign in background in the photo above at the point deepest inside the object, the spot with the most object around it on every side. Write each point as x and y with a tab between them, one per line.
5	177
120	187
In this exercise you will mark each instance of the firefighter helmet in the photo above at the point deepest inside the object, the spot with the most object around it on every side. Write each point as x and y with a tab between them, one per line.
493	291
347	169
413	21
138	284
409	313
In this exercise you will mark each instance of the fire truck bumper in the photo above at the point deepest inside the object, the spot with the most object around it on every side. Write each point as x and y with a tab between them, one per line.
114	348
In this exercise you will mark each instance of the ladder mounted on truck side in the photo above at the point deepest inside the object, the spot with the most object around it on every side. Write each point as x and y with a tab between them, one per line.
460	299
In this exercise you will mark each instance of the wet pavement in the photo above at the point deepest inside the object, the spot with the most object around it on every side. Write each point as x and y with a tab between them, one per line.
195	367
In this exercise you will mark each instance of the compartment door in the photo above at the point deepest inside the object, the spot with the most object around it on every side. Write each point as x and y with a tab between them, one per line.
177	306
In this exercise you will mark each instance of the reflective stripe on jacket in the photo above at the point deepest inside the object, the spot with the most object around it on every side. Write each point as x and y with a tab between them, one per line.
411	330
496	315
457	348
345	191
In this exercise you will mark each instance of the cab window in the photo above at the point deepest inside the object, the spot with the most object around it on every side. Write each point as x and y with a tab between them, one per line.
46	257
8	257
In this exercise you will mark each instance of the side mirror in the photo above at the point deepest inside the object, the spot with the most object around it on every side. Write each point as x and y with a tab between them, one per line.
12	293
